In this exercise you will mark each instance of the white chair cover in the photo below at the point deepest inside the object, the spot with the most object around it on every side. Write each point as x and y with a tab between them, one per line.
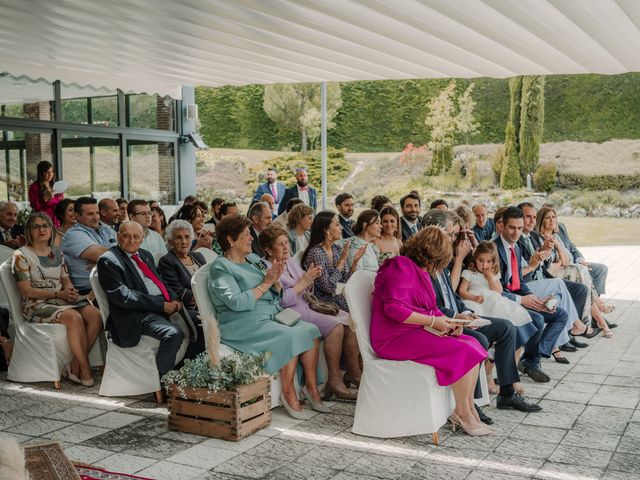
129	371
5	254
208	254
395	399
40	350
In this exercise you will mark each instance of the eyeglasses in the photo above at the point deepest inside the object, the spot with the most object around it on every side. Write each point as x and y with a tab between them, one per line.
39	226
146	214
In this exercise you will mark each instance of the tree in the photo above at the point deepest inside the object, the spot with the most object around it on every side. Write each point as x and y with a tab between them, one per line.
531	123
291	105
466	124
441	119
510	178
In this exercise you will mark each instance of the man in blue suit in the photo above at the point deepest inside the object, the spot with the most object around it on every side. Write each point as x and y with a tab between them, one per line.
301	190
514	287
271	187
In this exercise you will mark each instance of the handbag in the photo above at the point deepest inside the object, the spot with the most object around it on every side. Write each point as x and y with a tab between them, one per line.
328	308
287	316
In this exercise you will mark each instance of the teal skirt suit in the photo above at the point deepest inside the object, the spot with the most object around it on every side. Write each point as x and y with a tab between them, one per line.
247	324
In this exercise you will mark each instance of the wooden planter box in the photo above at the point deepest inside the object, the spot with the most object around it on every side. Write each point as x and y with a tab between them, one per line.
229	415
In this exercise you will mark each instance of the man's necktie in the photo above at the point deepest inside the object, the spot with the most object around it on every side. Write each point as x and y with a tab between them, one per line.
274	192
151	276
515	272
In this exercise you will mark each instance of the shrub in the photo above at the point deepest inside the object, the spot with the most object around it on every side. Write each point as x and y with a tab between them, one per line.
545	177
496	163
599	182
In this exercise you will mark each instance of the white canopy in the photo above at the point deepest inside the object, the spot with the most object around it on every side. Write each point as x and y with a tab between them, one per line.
155	46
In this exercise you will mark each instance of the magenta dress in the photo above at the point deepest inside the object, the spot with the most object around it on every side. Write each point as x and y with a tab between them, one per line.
39	205
394	301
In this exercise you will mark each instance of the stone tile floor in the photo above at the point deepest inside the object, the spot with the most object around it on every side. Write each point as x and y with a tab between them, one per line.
589	429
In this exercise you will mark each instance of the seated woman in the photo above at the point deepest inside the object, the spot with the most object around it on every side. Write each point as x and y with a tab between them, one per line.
246	296
323	251
178	266
49	297
401	310
561	265
366	230
158	220
195	216
122	208
299	222
66	214
390	239
339	339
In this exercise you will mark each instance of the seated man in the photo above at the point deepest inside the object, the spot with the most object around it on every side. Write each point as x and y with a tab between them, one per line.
440	204
514	287
11	235
139	302
283	218
501	332
109	213
83	243
268	199
410	205
344	204
485	227
140	212
260	216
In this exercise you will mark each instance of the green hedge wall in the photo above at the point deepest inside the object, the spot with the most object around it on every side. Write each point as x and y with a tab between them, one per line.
386	115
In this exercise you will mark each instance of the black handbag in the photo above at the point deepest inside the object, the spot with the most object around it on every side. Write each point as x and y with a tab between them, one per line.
328	308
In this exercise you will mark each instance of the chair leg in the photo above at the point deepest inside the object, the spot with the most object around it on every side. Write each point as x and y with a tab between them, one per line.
435	438
159	398
56	384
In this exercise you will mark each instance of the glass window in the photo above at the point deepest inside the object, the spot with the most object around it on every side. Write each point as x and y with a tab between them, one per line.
91	165
20	153
24	98
88	105
151	111
152	173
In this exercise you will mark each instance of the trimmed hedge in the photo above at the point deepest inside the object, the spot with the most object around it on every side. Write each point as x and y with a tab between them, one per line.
599	182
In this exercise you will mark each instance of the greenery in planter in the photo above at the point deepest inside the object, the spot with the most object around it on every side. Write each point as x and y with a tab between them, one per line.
234	370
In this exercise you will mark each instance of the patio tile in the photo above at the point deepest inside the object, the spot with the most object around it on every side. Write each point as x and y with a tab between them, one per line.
39	426
203	456
625	462
591	439
515	447
280	448
321	456
380	466
157	448
629	444
121	462
297	471
240	446
581	456
538	434
76	414
621	397
507	464
112	420
434	471
251	466
84	454
171	471
77	433
563	471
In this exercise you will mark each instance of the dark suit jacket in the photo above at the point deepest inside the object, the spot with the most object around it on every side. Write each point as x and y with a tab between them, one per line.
537	243
266	188
460	305
129	299
15	231
564	236
406	229
347	227
504	258
255	245
292	192
176	276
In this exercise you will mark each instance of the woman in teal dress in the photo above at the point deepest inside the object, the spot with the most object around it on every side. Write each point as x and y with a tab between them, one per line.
246	296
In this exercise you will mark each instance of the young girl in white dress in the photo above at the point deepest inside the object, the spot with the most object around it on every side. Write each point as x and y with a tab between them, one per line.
482	292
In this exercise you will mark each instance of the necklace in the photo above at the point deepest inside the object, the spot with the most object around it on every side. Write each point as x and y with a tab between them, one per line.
244	260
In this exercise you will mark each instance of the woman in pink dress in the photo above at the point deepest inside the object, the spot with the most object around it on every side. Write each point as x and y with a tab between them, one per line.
41	195
339	340
401	310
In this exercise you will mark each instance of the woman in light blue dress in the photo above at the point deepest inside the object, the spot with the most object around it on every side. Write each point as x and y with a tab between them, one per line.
366	229
246	296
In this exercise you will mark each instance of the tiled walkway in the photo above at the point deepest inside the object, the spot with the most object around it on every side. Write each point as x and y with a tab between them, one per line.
589	429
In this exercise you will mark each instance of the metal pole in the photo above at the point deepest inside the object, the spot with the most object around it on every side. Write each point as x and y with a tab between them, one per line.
323	140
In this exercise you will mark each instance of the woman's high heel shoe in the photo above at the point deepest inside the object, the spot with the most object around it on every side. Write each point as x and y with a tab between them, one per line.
474	432
317	406
297	414
329	391
350	381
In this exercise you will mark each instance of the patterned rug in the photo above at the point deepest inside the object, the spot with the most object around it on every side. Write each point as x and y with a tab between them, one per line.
48	462
93	473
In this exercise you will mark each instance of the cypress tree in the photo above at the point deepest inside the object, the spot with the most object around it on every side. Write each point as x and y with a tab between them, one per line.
510	178
531	123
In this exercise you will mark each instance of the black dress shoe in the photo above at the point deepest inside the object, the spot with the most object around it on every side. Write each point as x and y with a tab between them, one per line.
560	359
567	347
516	402
577	343
611	325
535	374
483	417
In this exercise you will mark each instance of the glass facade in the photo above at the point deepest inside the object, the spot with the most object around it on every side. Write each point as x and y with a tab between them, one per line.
104	143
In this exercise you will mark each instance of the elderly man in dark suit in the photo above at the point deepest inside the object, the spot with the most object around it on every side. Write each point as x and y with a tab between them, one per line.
514	287
139	301
260	216
11	235
300	190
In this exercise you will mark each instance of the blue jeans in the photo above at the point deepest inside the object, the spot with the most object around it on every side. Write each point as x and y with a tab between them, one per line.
542	342
170	337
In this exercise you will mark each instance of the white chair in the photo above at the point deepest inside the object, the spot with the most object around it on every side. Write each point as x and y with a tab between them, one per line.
395	399
40	350
208	254
129	371
5	254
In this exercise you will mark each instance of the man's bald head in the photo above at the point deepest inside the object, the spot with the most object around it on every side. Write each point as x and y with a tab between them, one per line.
130	235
